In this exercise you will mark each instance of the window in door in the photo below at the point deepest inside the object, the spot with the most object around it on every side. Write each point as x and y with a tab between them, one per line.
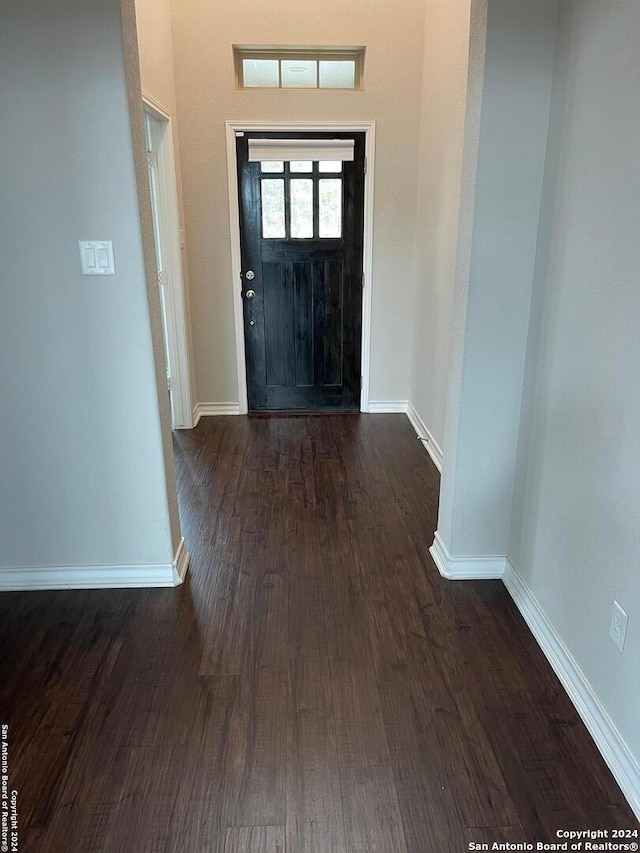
304	203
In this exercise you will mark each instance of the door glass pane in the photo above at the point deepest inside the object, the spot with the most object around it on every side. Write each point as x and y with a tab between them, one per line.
301	166
337	74
301	207
299	73
330	203
273	207
330	166
272	166
260	73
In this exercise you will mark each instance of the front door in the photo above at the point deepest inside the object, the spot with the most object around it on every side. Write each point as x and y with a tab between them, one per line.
301	237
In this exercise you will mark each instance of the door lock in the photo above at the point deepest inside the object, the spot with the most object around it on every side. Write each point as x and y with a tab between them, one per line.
250	275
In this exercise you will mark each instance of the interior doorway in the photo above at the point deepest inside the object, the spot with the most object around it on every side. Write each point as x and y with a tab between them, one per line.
168	244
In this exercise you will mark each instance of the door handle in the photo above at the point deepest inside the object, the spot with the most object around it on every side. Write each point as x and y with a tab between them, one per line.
250	294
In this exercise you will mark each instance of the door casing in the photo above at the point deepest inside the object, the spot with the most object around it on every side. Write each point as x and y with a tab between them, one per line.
176	304
233	128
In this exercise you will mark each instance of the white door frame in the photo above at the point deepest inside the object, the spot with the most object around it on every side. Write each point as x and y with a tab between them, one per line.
369	129
173	281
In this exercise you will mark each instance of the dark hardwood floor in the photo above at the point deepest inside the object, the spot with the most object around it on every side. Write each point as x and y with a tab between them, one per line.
313	687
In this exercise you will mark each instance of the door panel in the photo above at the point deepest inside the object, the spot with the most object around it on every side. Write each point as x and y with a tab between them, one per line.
303	313
277	280
303	303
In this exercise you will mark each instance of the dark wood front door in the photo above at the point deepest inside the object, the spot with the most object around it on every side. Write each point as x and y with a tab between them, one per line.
301	236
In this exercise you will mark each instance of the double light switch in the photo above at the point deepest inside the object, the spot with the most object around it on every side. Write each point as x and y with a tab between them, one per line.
96	257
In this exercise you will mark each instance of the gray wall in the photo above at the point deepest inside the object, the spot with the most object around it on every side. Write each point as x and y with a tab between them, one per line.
500	202
82	448
575	535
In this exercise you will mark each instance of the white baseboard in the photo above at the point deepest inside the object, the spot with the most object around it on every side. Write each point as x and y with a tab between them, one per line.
384	407
465	568
180	563
97	577
377	407
614	750
201	410
423	433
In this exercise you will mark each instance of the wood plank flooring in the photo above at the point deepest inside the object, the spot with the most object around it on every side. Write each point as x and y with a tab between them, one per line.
314	686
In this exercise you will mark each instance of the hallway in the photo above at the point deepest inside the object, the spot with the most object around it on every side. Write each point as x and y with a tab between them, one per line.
315	678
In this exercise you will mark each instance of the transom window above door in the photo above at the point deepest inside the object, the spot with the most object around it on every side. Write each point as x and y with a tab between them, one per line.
298	67
301	199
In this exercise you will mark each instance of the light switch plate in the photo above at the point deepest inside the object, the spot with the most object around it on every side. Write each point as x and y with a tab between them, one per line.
96	257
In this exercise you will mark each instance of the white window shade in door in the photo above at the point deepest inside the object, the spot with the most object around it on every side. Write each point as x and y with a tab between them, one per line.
300	149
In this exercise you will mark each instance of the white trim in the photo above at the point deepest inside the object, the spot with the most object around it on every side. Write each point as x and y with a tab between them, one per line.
180	563
422	431
155	107
465	568
369	129
367	290
97	577
203	410
161	134
236	264
383	407
614	750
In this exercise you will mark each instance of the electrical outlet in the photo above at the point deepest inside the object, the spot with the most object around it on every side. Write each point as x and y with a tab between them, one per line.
618	629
